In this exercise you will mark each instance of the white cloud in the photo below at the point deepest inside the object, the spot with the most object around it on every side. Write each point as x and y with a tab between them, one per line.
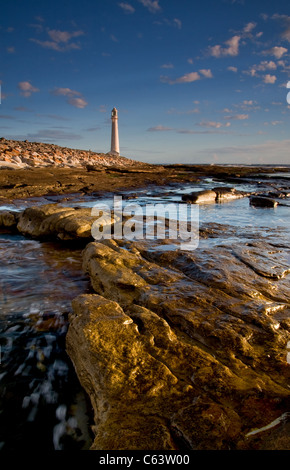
74	98
268	152
152	5
270	78
63	36
188	77
189	111
213	124
206	73
231	49
48	135
237	117
126	7
78	102
212	128
232	69
267	65
59	40
246	105
284	65
167	66
286	24
262	67
276	123
249	27
159	128
277	51
177	23
26	89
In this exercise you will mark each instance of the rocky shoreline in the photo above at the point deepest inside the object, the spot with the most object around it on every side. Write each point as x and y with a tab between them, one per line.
51	172
175	350
16	154
176	354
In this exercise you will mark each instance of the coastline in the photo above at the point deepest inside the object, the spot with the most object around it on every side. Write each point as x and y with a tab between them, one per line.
175	350
34	182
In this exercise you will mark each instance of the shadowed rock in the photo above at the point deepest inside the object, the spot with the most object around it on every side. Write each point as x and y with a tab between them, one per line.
261	201
8	219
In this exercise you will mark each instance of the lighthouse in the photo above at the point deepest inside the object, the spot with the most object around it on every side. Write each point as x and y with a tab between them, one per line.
115	150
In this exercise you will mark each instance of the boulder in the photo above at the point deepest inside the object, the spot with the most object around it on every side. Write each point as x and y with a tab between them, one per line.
261	201
227	194
176	347
218	194
200	197
9	219
53	220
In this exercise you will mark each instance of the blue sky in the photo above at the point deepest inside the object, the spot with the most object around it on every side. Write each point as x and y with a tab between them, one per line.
193	81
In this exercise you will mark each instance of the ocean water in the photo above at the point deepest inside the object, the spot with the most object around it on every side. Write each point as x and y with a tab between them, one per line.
41	402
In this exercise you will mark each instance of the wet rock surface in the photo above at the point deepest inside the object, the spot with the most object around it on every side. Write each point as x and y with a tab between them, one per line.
214	195
52	220
176	350
30	169
183	350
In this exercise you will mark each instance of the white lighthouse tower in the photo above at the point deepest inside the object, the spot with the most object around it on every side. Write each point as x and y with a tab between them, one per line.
115	149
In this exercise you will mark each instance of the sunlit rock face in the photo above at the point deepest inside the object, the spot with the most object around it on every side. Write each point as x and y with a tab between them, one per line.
184	350
213	195
53	220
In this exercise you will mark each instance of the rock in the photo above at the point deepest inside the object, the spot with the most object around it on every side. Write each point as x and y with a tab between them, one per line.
174	345
8	219
53	220
34	154
17	159
218	194
261	201
224	193
126	397
200	197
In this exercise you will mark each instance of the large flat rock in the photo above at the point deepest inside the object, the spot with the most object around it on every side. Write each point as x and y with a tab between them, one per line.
183	350
53	220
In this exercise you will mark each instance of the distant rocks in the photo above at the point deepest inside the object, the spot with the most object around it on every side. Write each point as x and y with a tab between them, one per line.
262	201
224	193
24	154
199	197
214	195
